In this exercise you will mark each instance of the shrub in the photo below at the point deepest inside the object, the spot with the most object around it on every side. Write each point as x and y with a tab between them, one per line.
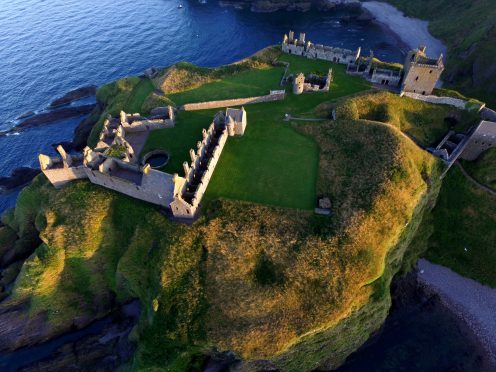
347	111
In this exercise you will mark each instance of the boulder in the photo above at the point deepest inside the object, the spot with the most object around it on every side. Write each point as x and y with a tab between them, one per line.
74	95
20	176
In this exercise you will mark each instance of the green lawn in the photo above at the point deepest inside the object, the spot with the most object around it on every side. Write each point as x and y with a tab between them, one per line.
138	95
272	163
484	168
464	236
178	140
255	82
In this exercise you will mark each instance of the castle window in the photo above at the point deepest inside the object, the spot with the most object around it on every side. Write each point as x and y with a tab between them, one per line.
430	72
416	79
423	93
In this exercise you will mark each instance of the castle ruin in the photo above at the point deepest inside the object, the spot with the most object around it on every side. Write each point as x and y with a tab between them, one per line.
307	49
122	173
312	83
421	73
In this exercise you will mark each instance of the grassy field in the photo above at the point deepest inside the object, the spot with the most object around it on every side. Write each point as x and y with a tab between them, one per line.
272	163
484	168
424	122
255	82
464	232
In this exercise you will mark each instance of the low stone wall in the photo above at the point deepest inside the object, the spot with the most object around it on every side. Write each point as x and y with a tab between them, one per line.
458	103
233	102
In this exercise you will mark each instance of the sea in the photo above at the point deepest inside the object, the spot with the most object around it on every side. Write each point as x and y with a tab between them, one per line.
49	47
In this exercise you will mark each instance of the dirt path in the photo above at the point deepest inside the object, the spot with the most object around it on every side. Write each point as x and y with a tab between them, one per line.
473	302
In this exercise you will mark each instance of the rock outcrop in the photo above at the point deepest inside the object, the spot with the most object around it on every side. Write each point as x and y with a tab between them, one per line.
19	177
74	95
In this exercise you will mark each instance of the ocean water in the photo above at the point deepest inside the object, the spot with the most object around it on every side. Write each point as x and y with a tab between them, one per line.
48	47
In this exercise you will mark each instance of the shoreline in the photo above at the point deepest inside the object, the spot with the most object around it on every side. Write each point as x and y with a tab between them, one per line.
412	32
473	303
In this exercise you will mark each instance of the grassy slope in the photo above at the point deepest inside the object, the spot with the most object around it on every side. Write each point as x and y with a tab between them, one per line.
484	168
126	94
202	285
468	28
464	217
424	122
116	244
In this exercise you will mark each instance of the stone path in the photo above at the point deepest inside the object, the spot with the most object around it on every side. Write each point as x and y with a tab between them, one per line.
473	302
291	118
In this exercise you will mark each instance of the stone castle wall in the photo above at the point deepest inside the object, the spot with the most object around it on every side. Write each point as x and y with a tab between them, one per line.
159	195
456	102
199	158
60	176
483	138
421	79
279	96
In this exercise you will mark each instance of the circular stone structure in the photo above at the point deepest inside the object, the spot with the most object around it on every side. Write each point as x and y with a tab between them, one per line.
156	159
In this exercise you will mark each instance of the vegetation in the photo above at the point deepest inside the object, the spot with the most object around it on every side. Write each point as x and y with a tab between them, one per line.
258	273
468	29
462	232
116	151
126	94
484	168
424	122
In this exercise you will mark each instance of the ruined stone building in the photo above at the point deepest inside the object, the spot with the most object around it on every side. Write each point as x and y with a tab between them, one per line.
421	73
467	146
307	49
120	170
312	83
482	139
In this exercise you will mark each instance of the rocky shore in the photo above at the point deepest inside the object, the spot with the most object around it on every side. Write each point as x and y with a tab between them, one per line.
411	31
74	95
18	177
471	301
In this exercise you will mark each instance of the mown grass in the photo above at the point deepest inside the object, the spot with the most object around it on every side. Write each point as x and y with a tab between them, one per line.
484	168
272	163
250	83
426	123
464	234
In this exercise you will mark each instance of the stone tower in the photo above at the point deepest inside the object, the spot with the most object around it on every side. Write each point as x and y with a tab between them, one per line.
298	83
421	73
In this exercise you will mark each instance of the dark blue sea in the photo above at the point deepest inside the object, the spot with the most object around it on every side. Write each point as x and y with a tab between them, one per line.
49	47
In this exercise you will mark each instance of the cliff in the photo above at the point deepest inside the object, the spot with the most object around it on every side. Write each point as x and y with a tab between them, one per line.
258	274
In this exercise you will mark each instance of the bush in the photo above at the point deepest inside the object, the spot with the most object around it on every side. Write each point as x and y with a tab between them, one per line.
267	273
347	111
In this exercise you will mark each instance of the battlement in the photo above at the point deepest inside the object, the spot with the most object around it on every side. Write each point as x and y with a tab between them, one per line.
307	49
421	73
63	168
204	160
